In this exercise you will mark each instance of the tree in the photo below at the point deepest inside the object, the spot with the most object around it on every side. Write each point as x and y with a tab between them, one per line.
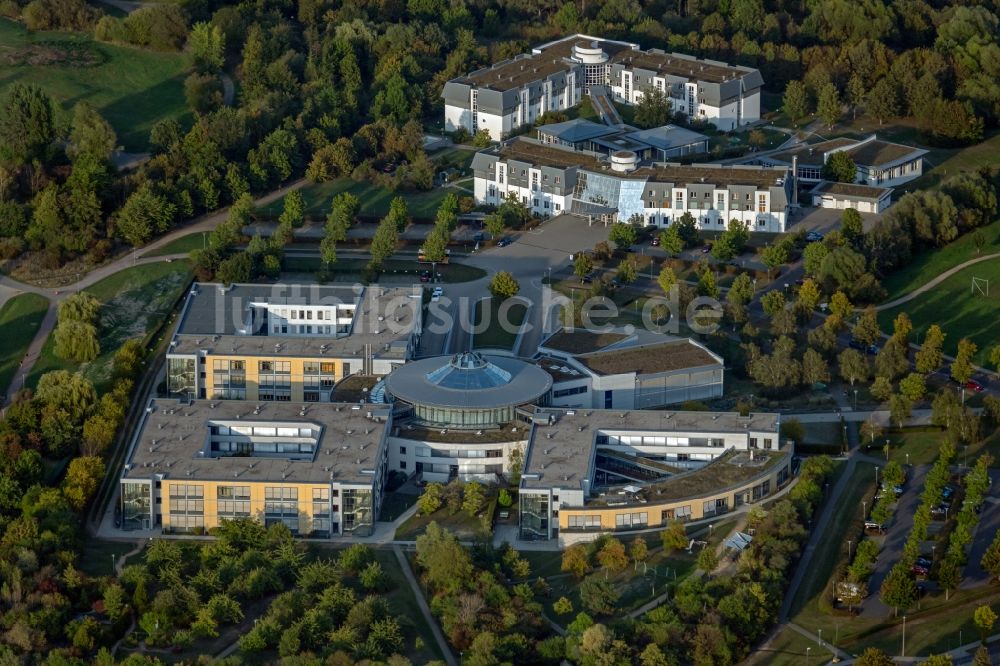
814	368
913	387
638	550
504	499
898	589
984	618
882	101
671	241
29	125
90	134
995	357
840	167
473	498
961	367
293	210
563	606
582	264
949	575
707	560
881	388
236	269
828	106
901	328
929	356
808	299
83	476
667	279
840	305
674	537
795	101
575	560
653	109
206	46
612	555
76	341
813	256
504	286
891	360
430	499
991	558
144	213
687	229
773	302
435	246
627	272
707	285
853	366
982	657
598	596
622	234
874	657
384	242
867	330
900	408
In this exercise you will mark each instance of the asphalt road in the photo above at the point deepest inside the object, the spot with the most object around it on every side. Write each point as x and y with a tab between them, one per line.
989	526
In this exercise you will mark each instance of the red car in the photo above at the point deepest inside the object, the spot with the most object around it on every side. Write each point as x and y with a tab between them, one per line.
973	385
919	570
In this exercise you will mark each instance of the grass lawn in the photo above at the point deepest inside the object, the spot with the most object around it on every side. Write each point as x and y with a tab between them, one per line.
503	321
96	559
19	321
960	313
463	525
182	245
919	446
403	603
453	158
135	303
788	649
923	267
395	504
350	269
810	606
131	88
374	200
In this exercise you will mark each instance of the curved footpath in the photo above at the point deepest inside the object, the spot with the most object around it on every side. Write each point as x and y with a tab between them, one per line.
205	223
935	282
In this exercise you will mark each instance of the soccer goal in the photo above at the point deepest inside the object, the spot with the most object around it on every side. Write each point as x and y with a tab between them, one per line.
982	285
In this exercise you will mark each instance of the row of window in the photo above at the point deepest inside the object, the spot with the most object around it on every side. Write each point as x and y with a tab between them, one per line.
306	329
631	520
428	452
662	440
307	315
264	431
576	390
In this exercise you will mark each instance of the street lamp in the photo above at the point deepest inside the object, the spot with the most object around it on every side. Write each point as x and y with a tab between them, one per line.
864	508
876	477
887	449
903	651
907	458
808	650
820	642
850	542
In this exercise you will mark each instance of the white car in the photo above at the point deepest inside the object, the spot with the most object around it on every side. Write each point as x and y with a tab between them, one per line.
437	293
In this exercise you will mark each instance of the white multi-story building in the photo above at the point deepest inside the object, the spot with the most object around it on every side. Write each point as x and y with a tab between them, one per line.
556	75
552	179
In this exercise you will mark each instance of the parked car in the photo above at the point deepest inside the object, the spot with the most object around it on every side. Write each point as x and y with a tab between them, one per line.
504	242
655	242
425	276
814	236
939	511
479	237
924	561
973	385
919	570
706	249
873	526
947	493
437	294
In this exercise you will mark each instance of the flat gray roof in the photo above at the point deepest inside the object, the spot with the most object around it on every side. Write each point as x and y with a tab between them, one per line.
576	130
852	190
210	321
174	432
565	446
667	137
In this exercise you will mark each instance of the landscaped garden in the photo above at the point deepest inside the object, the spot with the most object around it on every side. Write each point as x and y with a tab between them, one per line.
503	321
20	319
134	303
131	88
374	200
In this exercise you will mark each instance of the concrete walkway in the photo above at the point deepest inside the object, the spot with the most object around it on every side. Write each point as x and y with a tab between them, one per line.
34	351
404	564
935	282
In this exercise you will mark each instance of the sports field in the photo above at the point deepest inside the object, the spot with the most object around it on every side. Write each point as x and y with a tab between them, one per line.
957	309
131	88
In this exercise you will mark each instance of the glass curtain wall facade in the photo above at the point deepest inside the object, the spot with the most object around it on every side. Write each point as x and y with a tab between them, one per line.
534	516
464	418
137	502
182	378
358	512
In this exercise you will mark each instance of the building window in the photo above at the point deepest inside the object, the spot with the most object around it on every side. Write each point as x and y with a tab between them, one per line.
761	203
402	450
767	443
